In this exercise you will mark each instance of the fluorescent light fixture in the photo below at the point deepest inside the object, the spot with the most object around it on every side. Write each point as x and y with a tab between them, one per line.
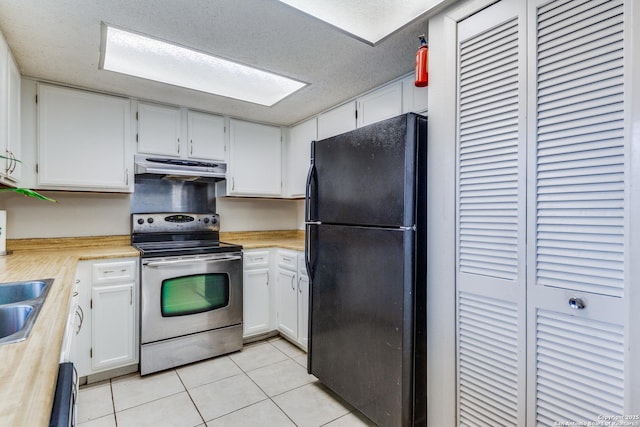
367	20
141	56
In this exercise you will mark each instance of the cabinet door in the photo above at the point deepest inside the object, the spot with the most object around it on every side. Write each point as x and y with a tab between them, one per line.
159	129
287	303
82	138
83	333
255	160
300	138
4	112
384	103
113	326
303	310
414	99
206	136
339	120
256	302
13	120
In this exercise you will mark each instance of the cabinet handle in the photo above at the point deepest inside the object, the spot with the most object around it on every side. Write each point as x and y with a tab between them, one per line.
131	295
13	163
577	303
233	184
191	147
80	315
126	177
178	145
293	283
299	287
267	278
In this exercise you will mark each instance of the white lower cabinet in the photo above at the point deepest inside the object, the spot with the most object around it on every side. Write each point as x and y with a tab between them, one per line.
293	297
257	307
287	302
107	337
303	302
276	294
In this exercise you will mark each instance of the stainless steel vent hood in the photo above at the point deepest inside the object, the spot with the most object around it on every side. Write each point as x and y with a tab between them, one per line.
180	169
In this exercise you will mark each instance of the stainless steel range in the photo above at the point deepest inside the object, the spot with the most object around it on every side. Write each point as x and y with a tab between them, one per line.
191	289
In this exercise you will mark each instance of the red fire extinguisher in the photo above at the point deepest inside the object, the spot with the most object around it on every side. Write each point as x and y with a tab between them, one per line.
422	63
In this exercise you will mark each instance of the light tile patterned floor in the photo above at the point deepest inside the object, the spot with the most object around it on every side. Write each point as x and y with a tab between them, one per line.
266	384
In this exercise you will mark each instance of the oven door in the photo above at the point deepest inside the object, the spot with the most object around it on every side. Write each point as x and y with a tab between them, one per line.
190	294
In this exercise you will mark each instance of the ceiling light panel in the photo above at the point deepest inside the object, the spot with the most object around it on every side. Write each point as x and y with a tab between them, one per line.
141	56
367	20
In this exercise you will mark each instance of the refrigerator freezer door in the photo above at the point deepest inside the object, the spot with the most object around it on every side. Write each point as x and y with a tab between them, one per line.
361	310
367	176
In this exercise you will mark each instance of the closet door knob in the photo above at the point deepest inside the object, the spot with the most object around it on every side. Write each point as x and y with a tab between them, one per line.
576	303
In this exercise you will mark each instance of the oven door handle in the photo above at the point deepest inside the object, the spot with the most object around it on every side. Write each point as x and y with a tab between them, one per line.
192	260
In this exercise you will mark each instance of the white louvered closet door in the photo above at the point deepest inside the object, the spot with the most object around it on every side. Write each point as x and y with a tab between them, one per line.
491	217
576	211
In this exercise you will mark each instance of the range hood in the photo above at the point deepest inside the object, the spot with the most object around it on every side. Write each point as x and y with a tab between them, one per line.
179	169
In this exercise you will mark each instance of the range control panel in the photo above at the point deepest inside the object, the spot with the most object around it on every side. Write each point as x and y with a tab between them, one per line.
174	222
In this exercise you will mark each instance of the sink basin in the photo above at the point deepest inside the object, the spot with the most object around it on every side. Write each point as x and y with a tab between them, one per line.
13	319
21	291
20	304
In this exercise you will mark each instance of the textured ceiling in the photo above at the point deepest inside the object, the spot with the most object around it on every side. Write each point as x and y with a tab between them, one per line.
59	41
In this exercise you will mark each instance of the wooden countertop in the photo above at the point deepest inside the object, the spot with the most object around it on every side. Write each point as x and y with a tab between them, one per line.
286	239
29	368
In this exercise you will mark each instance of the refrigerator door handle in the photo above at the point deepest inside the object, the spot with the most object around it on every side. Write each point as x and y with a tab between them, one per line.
310	177
306	249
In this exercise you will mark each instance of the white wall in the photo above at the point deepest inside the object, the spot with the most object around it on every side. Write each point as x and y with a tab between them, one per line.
88	214
75	214
245	214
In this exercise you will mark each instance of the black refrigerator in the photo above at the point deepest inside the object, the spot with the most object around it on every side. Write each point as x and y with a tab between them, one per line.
366	248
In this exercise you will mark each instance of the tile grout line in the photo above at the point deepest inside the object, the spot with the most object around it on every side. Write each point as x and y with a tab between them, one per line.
190	398
113	404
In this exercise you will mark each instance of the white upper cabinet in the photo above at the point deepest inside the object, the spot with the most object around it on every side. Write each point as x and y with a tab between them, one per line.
82	140
339	120
381	104
414	99
206	136
298	155
9	116
159	129
174	131
13	121
255	159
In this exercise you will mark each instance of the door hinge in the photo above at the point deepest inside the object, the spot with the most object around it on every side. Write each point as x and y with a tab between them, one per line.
137	138
91	303
356	114
91	352
36	99
137	115
37	169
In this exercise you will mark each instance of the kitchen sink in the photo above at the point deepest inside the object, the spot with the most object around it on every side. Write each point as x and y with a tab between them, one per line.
21	291
20	304
14	319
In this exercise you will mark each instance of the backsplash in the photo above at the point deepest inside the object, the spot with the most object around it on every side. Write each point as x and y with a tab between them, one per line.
89	214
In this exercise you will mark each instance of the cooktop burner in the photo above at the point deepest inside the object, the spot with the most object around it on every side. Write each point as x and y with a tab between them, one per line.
176	234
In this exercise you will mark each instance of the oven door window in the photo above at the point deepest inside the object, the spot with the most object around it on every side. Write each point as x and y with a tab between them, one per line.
185	295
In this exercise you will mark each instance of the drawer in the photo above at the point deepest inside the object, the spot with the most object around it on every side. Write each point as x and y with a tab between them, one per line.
254	259
119	271
288	260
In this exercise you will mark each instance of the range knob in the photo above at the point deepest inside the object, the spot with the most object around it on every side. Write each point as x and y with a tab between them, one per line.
140	221
150	220
206	220
214	220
